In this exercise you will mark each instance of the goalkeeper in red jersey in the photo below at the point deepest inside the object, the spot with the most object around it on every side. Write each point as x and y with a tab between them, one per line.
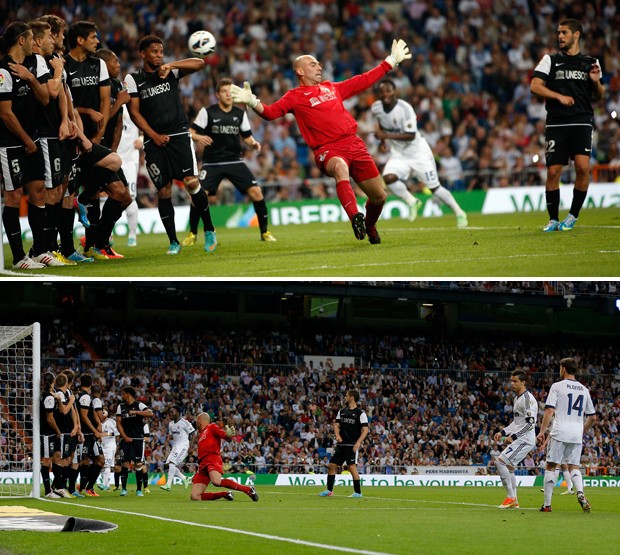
330	131
210	466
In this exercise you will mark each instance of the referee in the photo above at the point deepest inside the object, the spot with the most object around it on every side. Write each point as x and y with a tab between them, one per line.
569	81
350	428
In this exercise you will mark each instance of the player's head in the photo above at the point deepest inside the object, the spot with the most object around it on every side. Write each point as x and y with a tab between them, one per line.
58	28
95	389
568	367
151	48
387	92
42	37
127	392
518	381
70	375
203	420
48	380
105	413
61	380
86	380
352	395
308	70
111	61
83	35
17	34
222	92
174	412
569	33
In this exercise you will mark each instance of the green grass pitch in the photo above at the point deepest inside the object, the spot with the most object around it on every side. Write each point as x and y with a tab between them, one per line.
504	245
295	521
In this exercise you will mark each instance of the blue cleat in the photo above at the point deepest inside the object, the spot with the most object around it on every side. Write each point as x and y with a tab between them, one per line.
326	493
356	495
553	225
568	223
139	493
123	493
82	212
174	248
210	241
79	257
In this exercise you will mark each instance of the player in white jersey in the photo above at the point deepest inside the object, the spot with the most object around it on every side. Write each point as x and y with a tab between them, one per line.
180	430
520	435
411	154
129	151
570	406
109	433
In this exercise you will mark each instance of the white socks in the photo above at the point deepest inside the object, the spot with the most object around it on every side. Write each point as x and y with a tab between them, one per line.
446	197
132	219
507	479
400	190
576	479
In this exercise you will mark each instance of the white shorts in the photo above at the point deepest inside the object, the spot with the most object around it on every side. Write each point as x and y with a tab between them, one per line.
177	455
108	455
419	163
516	452
560	452
130	169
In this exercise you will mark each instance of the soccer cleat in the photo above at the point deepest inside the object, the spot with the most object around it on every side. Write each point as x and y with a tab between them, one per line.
568	223
358	226
139	493
165	488
115	488
48	259
253	494
110	252
59	256
104	488
96	254
229	496
189	240
373	235
267	236
28	263
82	212
553	225
509	503
77	494
79	257
91	493
210	241
414	209
123	493
131	242
188	481
568	492
545	509
356	495
174	248
461	220
583	502
52	495
146	490
326	493
63	493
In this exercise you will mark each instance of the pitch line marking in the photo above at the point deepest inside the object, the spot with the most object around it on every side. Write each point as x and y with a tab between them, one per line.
232	530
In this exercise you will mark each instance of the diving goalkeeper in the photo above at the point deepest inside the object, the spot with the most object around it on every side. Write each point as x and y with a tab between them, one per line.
330	131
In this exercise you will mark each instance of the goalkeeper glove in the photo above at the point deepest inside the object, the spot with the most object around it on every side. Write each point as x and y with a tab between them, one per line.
244	95
400	52
230	430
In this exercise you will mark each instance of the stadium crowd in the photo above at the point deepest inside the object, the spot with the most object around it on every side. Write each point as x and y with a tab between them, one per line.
430	402
468	80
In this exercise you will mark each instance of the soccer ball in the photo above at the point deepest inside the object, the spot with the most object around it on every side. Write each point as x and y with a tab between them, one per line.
201	43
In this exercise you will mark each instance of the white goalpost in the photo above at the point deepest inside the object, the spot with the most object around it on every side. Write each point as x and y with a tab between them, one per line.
20	385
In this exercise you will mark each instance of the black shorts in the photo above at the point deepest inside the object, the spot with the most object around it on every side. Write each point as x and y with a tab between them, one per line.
91	447
18	168
57	160
563	142
176	160
133	451
237	173
68	445
83	163
344	454
49	445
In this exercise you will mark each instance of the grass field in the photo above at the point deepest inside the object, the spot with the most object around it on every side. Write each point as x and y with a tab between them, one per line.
506	245
295	521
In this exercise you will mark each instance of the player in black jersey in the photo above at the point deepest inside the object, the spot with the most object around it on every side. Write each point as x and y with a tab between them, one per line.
217	130
50	433
92	453
157	111
350	429
22	87
130	416
89	82
569	81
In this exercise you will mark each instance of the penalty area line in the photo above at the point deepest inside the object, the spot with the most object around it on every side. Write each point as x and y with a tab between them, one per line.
231	530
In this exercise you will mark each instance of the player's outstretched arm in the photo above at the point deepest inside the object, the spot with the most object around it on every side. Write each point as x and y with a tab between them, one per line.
399	53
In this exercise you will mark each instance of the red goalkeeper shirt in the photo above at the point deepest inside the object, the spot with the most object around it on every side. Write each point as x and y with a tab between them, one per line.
210	441
319	109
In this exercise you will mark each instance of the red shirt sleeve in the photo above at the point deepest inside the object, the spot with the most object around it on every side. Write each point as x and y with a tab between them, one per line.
359	83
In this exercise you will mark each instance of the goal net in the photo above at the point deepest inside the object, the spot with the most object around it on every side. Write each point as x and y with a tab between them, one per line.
20	379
